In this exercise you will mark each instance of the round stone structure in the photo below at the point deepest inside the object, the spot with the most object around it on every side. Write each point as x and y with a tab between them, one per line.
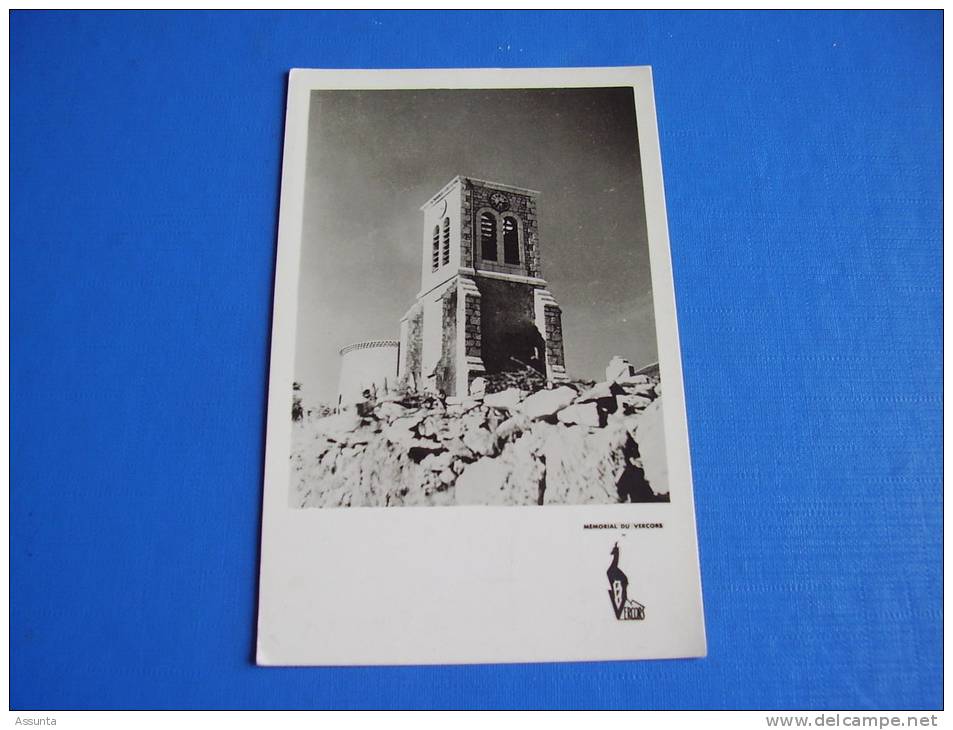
369	365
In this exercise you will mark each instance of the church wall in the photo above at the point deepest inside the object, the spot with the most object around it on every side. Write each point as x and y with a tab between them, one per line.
447	205
446	369
477	196
554	335
432	336
473	316
473	333
466	225
412	348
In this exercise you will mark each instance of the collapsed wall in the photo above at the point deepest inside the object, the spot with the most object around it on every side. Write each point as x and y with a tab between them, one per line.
568	445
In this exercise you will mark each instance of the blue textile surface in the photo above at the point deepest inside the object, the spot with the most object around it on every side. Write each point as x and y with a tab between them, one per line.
802	159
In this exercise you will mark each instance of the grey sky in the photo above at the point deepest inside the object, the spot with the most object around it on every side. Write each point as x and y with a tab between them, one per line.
374	157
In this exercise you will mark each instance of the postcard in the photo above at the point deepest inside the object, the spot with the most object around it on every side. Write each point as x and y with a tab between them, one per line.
477	447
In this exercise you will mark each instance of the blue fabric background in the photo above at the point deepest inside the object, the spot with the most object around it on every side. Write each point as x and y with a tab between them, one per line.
802	157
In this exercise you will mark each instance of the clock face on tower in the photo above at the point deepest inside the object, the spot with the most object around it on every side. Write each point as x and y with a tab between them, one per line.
499	201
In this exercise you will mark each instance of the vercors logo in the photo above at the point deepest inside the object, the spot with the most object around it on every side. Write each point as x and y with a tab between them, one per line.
625	608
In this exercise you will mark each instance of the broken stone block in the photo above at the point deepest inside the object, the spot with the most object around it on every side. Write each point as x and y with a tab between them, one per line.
418	449
458	406
545	403
619	367
451	428
480	441
437	461
389	410
632	403
402	431
507	399
632	381
458	450
599	392
448	476
582	414
478	387
337	426
430	427
409	422
512	426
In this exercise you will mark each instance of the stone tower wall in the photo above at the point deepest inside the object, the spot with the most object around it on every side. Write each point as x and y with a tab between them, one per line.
477	196
477	316
412	344
446	369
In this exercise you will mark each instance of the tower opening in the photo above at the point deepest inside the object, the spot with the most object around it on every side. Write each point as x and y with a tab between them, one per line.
511	241
490	312
488	236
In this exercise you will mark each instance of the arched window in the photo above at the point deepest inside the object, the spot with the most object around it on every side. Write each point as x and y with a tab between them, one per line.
435	256
511	241
446	241
488	236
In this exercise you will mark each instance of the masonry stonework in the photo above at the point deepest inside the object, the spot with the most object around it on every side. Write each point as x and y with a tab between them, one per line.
480	312
473	327
554	335
446	368
413	345
466	226
520	204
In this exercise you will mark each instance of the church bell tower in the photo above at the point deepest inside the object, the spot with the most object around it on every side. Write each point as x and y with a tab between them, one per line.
483	306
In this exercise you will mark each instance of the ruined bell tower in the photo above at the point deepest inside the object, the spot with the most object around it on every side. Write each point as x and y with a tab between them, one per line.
483	306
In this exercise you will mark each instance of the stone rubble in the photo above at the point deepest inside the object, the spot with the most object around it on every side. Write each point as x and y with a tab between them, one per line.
521	444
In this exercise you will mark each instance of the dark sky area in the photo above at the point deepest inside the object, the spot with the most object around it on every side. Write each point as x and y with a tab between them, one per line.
374	157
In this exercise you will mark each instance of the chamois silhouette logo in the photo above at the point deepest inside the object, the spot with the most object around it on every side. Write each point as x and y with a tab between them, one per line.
625	609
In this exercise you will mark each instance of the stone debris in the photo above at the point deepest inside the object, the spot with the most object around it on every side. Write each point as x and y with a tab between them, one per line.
448	476
523	444
599	392
389	411
512	427
507	400
337	426
618	367
633	403
480	441
636	382
582	414
545	403
526	379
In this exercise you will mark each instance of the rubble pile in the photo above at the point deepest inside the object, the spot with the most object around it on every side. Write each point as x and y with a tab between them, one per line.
565	444
525	378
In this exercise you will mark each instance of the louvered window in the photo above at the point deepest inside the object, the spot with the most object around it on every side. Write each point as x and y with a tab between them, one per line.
511	241
446	242
488	236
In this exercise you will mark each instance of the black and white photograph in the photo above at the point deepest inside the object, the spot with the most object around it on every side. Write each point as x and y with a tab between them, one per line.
475	322
475	375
